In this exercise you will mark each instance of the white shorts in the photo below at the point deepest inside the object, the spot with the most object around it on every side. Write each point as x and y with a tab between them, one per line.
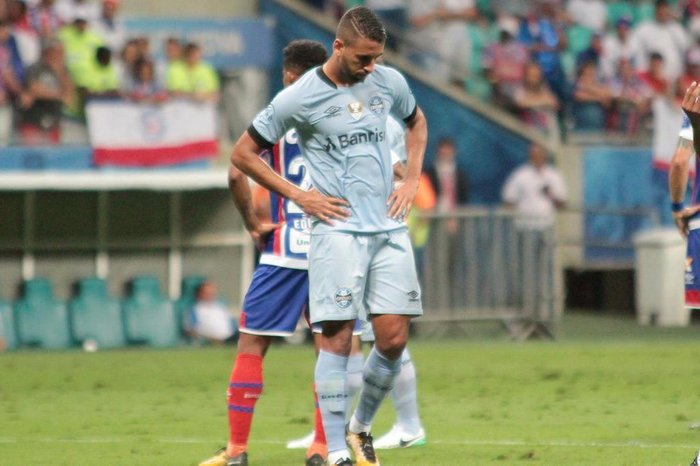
349	271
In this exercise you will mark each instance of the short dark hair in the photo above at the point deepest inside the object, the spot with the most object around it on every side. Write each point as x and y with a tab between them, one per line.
360	22
303	54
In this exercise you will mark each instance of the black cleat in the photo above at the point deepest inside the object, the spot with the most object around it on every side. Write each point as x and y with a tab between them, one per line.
315	460
343	462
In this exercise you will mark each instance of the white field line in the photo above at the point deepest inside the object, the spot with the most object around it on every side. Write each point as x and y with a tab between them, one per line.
505	442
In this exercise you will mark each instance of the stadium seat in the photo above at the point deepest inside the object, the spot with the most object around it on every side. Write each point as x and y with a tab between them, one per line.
620	9
96	316
578	38
8	331
188	293
149	317
42	319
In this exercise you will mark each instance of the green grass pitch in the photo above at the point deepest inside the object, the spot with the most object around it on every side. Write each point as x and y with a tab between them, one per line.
607	393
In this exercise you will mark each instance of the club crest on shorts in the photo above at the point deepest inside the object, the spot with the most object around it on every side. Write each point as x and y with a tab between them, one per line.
343	298
355	109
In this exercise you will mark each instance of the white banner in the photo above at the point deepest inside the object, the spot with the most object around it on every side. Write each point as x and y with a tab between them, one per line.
135	134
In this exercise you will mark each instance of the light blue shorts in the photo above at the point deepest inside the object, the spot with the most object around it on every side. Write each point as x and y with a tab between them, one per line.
349	271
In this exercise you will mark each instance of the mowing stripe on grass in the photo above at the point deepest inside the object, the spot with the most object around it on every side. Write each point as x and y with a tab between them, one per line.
506	443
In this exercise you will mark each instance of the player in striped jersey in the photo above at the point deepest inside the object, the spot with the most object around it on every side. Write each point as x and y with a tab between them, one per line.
278	293
686	218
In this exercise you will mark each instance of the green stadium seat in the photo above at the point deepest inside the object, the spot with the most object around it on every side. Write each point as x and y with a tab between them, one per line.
188	294
644	11
578	38
620	9
8	331
149	317
42	319
96	316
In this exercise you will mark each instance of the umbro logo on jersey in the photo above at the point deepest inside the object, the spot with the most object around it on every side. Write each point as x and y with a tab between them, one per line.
332	111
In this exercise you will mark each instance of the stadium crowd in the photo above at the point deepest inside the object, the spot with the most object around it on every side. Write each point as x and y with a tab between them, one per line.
57	54
582	65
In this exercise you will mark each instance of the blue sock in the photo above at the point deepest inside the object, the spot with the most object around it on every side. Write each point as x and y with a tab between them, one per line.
331	380
404	396
378	377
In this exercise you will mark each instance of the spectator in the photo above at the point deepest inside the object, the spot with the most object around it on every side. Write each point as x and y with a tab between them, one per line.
504	62
424	33
616	46
195	79
591	99
591	54
393	15
127	64
109	26
592	14
102	79
692	69
543	34
44	19
48	88
451	190
27	39
455	45
536	190
167	69
663	35
144	86
69	10
655	77
80	44
632	99
10	60
209	318
450	182
536	103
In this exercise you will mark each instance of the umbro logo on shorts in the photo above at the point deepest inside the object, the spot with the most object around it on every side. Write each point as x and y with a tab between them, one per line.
413	296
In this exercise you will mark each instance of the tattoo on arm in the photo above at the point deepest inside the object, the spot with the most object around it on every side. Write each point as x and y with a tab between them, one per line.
684	144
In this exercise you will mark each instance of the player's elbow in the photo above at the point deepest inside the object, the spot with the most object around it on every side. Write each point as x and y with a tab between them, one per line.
679	161
235	175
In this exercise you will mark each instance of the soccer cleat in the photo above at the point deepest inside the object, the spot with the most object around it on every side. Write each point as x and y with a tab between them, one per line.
302	443
343	462
397	438
696	460
316	460
362	448
222	459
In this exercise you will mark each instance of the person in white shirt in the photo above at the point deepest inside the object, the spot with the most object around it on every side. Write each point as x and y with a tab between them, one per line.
592	14
536	190
616	46
664	35
209	318
110	26
68	10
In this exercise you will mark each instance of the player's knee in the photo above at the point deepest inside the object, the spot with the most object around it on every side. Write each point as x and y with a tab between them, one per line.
392	346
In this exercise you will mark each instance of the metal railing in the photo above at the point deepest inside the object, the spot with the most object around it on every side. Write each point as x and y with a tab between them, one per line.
477	265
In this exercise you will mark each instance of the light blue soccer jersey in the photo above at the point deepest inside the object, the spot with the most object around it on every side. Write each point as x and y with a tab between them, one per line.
396	133
343	137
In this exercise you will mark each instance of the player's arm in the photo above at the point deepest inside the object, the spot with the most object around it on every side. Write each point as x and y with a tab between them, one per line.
416	139
245	157
243	199
678	173
678	184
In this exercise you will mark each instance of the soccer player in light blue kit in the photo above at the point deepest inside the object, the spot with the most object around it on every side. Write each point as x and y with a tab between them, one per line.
360	253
